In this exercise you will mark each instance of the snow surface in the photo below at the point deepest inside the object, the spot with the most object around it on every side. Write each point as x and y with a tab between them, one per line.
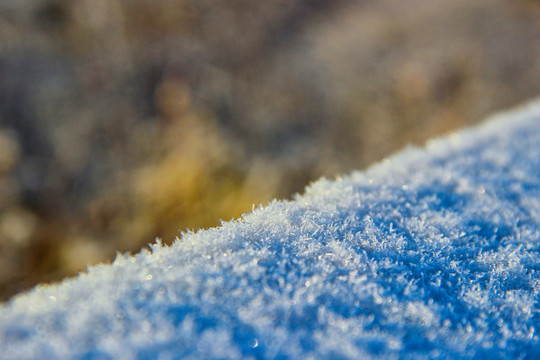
432	253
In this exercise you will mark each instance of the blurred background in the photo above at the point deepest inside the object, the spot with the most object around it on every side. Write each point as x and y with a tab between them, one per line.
126	120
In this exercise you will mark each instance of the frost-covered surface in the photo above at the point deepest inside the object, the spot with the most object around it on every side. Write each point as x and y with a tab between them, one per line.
431	254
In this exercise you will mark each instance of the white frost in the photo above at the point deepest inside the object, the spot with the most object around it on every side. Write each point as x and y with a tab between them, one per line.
430	254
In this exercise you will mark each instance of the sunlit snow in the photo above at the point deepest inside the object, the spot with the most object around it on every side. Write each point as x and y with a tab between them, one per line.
433	253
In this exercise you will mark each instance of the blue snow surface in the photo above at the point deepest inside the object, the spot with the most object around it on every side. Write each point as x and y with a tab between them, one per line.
431	254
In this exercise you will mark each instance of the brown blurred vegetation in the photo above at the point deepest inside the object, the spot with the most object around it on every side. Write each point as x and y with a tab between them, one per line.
126	120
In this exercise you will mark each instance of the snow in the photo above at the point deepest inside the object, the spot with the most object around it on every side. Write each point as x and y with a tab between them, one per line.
433	253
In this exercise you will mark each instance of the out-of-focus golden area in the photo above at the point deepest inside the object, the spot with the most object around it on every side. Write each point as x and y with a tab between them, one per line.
126	120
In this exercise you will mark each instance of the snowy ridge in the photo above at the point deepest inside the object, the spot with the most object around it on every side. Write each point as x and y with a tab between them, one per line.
433	253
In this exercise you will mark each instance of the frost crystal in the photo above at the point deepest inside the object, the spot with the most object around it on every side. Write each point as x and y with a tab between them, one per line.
434	253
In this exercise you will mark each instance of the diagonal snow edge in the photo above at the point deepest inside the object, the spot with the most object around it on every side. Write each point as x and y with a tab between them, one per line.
433	253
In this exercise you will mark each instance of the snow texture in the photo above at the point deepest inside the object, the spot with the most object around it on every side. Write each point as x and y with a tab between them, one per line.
432	253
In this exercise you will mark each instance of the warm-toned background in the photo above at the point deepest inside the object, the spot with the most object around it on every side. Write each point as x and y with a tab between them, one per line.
126	120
